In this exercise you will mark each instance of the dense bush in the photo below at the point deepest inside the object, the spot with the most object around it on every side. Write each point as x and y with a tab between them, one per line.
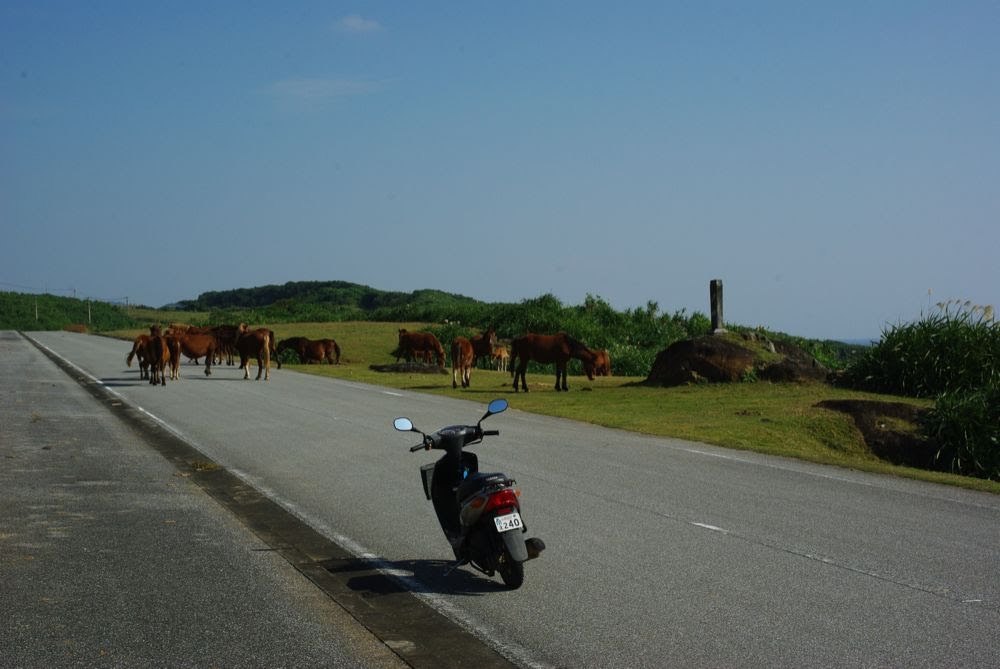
956	348
953	355
965	426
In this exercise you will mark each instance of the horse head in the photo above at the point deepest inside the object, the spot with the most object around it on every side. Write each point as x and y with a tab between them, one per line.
579	350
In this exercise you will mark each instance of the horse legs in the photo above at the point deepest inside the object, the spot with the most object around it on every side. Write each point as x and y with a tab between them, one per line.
561	372
264	362
519	372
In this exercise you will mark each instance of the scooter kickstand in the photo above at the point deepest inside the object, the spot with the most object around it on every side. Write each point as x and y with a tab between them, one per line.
456	565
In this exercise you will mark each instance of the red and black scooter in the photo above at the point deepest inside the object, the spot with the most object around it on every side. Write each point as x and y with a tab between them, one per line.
479	513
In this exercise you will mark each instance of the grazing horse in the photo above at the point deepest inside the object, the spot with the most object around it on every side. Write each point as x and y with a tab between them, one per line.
465	352
501	357
557	348
602	362
419	345
139	353
254	343
311	350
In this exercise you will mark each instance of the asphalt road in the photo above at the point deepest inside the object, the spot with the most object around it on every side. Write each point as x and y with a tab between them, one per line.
661	552
111	557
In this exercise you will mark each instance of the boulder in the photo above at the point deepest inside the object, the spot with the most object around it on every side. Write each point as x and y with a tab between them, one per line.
729	358
796	365
707	358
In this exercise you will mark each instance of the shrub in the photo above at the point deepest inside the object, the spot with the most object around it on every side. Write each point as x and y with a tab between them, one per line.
965	425
957	348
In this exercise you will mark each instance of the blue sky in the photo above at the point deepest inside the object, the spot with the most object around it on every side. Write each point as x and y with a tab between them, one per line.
837	165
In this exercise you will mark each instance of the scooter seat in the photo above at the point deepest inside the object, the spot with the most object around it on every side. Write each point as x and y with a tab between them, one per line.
477	482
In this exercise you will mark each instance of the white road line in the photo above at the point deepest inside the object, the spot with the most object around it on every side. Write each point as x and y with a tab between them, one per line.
512	651
713	528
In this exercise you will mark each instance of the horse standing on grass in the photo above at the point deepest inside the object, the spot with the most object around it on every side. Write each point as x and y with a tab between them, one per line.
419	345
557	348
465	352
500	358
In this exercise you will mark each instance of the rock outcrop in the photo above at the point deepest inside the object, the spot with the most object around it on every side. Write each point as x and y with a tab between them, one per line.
730	358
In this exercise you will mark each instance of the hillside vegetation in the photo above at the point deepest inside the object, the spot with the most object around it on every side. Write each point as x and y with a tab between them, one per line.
633	337
21	311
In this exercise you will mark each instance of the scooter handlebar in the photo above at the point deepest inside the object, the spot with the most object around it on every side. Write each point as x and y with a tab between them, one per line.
418	447
491	433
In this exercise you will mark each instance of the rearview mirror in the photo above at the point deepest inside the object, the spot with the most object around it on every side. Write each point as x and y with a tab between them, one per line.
497	406
403	425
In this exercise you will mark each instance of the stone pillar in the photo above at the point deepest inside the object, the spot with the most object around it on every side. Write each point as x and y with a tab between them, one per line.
715	292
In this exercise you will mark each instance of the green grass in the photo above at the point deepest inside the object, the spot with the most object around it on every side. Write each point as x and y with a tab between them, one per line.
775	419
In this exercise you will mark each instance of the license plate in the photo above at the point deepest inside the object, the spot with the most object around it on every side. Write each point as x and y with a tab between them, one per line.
512	521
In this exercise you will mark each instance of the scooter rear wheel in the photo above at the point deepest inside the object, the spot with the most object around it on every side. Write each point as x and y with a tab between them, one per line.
511	571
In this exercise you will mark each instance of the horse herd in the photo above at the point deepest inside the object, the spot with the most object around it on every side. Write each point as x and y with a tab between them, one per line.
555	349
159	353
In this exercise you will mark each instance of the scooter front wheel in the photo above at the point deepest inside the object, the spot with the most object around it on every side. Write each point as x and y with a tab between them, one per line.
511	571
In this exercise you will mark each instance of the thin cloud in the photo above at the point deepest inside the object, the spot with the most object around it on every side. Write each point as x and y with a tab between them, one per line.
355	23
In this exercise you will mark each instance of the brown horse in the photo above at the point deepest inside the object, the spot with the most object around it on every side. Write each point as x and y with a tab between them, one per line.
501	358
226	336
254	343
557	348
157	355
483	344
196	345
419	345
465	352
311	350
602	362
139	353
462	360
173	357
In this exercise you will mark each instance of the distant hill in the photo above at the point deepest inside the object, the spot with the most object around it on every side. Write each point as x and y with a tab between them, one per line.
326	293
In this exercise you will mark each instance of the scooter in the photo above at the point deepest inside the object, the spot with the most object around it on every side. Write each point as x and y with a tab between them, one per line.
479	513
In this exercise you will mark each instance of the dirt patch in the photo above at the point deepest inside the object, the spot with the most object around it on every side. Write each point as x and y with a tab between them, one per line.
891	430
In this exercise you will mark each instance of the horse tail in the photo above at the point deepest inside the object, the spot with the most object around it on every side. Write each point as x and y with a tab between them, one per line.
135	350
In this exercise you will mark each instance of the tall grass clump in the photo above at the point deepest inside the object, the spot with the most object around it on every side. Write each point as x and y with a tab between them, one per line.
954	356
956	348
965	425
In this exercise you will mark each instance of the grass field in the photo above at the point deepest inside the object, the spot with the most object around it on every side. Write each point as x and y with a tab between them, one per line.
777	419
